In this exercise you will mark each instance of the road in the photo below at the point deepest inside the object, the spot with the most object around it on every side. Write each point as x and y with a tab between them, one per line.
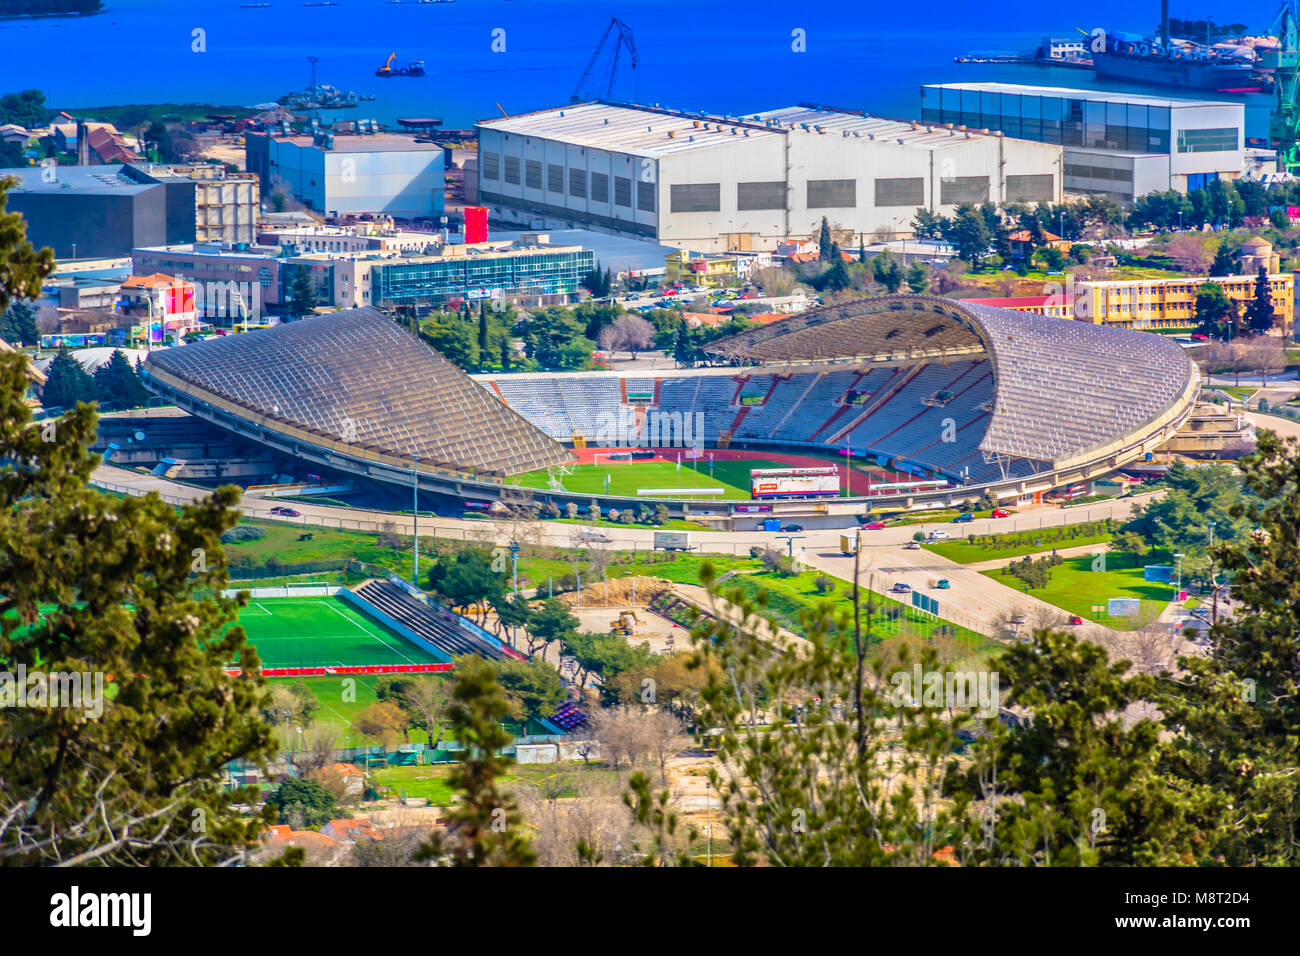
973	601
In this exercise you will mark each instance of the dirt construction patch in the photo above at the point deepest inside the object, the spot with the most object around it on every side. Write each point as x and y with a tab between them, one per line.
632	591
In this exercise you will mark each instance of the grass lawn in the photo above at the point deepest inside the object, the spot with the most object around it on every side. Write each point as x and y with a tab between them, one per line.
1241	394
341	701
290	632
1016	544
426	780
788	596
627	477
1074	586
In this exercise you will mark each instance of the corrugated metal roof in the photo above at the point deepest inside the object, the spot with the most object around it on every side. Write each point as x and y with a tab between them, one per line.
805	119
628	129
1095	96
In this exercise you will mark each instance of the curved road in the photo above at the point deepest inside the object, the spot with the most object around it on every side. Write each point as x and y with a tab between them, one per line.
973	601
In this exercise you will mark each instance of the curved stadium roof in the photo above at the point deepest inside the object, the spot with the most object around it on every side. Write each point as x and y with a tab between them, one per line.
1062	388
358	378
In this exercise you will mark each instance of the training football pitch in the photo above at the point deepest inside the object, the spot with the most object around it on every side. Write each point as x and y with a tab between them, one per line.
627	477
324	631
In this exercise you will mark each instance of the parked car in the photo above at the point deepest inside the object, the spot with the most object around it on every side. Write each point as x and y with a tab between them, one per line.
1000	513
1075	619
962	518
936	535
792	527
942	584
912	546
874	525
901	588
284	512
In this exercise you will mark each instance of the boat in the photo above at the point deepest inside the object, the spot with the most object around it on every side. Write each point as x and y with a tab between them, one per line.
1166	61
321	3
254	6
414	68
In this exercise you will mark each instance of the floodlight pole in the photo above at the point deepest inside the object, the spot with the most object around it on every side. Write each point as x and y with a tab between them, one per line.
415	519
514	561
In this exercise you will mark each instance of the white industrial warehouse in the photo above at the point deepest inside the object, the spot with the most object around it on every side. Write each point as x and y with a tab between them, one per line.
715	183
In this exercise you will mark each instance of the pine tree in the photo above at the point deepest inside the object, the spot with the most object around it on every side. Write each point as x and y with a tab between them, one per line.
1233	713
918	278
18	325
682	350
302	293
505	353
862	253
1260	316
484	828
67	383
116	381
482	329
1225	262
824	241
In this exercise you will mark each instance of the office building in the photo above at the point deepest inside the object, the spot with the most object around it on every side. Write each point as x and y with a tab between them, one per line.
1117	144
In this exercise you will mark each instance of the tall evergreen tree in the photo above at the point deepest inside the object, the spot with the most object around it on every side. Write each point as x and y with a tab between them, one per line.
682	350
1233	713
824	241
505	353
1225	261
117	382
484	828
482	329
1260	316
18	325
302	293
67	383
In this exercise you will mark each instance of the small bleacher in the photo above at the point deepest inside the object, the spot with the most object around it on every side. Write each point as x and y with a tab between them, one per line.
440	628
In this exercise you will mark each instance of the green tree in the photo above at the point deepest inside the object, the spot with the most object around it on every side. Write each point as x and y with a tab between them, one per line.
1217	315
483	827
482	329
67	383
466	579
116	381
927	224
683	353
1233	713
505	353
918	278
127	587
605	654
836	277
18	325
1130	542
1072	784
1225	260
26	109
454	337
970	234
1260	317
533	688
302	803
12	156
302	293
551	621
554	338
824	241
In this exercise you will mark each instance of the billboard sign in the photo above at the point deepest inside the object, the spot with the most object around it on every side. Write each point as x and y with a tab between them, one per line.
794	482
1123	607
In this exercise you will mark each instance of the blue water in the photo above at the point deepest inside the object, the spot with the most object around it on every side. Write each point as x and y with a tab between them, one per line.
703	55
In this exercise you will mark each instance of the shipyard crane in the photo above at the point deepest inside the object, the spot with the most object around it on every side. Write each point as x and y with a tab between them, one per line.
1284	123
624	39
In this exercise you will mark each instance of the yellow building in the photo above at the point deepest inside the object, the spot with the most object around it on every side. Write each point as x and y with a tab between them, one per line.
701	269
1171	303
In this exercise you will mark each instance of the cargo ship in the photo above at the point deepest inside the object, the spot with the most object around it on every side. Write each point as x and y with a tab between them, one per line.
1165	61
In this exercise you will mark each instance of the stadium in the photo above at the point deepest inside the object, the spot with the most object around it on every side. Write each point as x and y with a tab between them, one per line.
914	400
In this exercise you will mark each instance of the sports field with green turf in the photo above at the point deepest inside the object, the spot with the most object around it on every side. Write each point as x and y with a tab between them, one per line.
322	631
628	477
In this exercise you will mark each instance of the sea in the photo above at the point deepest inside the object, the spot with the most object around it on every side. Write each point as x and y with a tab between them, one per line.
488	57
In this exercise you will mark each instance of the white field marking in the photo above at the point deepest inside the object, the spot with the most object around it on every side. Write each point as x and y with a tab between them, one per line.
383	640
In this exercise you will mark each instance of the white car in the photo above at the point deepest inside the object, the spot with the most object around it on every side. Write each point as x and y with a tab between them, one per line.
936	535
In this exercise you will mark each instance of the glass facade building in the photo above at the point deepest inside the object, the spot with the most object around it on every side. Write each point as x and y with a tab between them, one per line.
1133	127
431	282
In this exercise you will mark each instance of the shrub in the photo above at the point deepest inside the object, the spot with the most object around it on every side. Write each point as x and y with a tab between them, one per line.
243	532
823	584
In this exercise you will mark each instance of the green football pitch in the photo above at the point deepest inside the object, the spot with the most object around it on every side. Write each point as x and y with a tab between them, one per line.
628	477
306	632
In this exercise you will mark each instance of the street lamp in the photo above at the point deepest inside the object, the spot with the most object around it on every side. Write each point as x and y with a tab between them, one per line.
415	518
514	562
1178	570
